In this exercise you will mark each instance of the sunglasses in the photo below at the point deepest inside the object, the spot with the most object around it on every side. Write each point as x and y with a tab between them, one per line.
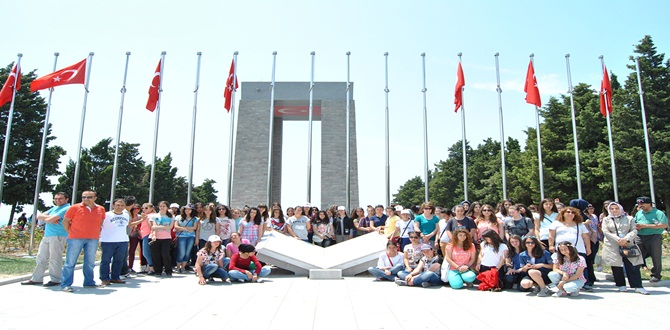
413	237
487	210
530	243
569	212
87	197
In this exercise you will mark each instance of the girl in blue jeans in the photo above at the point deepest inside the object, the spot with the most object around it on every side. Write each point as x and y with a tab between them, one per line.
186	227
568	273
427	272
245	267
210	261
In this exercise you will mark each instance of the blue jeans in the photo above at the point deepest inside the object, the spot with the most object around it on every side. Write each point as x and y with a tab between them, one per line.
74	248
115	250
427	276
237	275
378	273
213	270
146	250
457	279
569	287
184	246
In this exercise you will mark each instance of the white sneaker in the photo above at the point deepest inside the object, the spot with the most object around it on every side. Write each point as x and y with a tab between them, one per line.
642	291
623	289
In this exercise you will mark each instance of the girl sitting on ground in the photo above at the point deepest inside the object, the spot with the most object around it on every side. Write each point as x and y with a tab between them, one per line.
568	273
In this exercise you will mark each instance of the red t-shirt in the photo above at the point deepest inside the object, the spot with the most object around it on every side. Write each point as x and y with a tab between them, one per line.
242	265
85	222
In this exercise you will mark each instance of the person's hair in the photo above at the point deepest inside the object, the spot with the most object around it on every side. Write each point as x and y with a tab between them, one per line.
572	256
634	210
62	193
208	246
227	212
541	207
527	212
606	205
130	200
467	243
313	212
183	212
459	206
354	213
149	205
512	251
428	205
325	217
265	213
391	243
492	218
168	212
471	210
235	233
120	200
290	208
532	207
257	219
538	248
199	213
295	210
281	215
578	216
246	248
494	237
212	215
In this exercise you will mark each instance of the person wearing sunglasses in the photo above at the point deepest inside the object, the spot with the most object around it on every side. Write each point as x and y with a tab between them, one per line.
412	254
488	220
568	273
569	227
536	263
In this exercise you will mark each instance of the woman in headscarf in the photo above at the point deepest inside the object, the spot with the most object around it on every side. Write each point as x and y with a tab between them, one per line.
619	230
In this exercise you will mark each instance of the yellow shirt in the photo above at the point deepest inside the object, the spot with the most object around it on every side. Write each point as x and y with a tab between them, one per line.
389	226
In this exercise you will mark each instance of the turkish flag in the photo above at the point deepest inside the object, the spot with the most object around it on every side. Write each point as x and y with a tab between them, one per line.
605	93
228	92
154	88
73	74
13	82
532	93
460	83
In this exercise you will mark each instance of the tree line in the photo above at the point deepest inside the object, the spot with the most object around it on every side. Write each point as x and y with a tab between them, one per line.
445	181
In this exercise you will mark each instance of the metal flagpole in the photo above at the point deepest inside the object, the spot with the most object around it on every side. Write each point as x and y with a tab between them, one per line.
118	135
646	132
195	111
10	117
89	61
609	134
574	127
425	129
272	127
309	134
539	142
465	163
502	129
387	191
158	115
232	130
40	166
348	151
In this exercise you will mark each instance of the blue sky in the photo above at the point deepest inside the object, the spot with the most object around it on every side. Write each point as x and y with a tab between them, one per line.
441	29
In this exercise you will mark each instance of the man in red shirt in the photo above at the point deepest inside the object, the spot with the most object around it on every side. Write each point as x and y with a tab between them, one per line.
82	222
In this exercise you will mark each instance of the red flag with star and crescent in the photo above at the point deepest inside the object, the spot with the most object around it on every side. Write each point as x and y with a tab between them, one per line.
73	74
228	92
154	92
605	94
532	92
13	82
460	83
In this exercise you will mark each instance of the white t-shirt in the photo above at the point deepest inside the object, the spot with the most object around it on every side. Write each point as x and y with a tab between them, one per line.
384	261
114	227
441	226
489	257
226	226
402	224
569	234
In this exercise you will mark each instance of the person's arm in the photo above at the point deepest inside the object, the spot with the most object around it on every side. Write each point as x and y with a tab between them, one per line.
290	230
502	260
179	228
507	233
473	257
429	236
531	231
228	251
261	231
381	261
405	261
537	223
417	226
448	259
66	224
552	239
198	270
197	233
416	272
217	229
501	229
587	239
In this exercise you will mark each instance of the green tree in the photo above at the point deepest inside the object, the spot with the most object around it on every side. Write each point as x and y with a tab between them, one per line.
25	145
204	193
411	193
167	185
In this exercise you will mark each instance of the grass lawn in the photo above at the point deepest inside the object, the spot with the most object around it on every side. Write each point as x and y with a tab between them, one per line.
665	272
13	266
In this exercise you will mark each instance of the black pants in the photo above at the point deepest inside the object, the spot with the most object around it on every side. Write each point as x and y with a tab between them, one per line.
632	272
651	246
586	271
590	259
160	253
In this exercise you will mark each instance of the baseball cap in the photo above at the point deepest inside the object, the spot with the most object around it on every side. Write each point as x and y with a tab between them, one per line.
174	205
643	200
426	247
341	208
405	211
214	238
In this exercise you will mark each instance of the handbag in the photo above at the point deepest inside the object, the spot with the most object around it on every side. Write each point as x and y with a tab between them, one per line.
628	251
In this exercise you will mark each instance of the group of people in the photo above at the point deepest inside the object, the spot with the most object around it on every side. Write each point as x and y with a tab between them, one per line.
166	236
534	249
509	246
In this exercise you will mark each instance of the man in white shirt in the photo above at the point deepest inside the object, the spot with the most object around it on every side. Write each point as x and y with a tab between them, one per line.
114	242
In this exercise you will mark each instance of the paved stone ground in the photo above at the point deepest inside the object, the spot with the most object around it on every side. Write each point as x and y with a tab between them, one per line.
289	302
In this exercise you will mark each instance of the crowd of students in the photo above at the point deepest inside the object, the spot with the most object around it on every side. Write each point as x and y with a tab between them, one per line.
510	246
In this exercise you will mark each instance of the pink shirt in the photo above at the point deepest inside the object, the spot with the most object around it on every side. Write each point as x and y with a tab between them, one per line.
483	225
461	257
233	249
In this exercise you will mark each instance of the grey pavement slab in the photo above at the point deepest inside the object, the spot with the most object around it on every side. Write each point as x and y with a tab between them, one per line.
292	302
